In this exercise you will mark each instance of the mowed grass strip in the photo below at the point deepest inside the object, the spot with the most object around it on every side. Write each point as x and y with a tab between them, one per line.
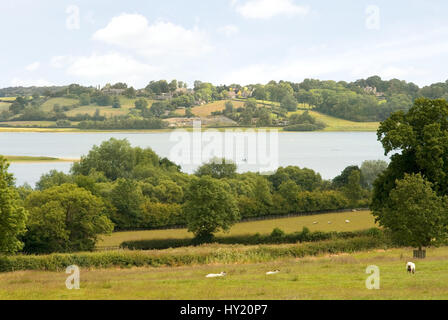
341	276
360	220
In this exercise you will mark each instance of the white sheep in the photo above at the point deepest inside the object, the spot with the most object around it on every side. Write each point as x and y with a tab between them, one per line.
315	222
329	222
216	275
272	272
347	221
410	267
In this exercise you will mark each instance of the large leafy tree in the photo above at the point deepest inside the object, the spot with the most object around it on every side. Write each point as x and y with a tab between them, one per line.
419	141
63	219
115	158
12	215
127	198
210	207
415	214
217	168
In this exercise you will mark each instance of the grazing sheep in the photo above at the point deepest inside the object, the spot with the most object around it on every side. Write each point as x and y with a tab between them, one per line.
272	272
315	222
216	275
347	221
410	267
329	222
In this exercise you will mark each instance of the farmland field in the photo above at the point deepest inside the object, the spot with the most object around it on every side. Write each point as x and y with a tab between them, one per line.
340	276
48	105
4	106
358	221
336	124
207	109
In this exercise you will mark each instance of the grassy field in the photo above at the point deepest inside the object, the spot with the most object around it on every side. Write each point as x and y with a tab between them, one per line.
48	105
108	111
336	124
325	277
4	106
358	221
21	124
207	109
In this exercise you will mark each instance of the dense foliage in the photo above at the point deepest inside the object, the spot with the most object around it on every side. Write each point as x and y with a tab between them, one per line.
12	214
410	190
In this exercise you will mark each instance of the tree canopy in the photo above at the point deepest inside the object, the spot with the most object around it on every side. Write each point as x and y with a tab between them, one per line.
12	215
418	141
210	207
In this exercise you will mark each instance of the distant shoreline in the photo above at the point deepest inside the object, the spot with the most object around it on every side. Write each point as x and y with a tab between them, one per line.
75	130
28	159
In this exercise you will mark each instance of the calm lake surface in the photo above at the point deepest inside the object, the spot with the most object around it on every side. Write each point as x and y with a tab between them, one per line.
325	152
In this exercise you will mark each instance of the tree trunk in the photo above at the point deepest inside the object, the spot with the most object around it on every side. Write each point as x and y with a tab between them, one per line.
419	254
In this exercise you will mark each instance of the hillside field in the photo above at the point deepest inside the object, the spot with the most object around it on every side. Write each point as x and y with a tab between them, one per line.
336	124
358	221
332	277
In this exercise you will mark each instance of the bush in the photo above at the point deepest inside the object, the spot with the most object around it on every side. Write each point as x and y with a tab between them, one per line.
201	255
276	237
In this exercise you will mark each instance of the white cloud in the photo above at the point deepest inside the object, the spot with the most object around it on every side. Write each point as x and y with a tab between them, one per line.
133	31
33	66
17	82
111	67
265	9
61	61
389	60
107	65
229	30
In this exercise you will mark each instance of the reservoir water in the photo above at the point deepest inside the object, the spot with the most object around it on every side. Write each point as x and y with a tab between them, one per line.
325	152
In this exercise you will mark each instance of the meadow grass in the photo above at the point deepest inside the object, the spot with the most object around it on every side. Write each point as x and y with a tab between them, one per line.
4	106
207	109
108	111
20	124
48	105
358	221
340	276
104	111
337	124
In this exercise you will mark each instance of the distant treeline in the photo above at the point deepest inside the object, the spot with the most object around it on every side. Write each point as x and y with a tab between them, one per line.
371	99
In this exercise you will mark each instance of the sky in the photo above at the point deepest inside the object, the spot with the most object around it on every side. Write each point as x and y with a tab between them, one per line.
96	42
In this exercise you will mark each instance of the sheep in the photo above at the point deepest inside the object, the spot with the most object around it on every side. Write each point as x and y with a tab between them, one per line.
315	222
410	267
347	221
329	222
218	275
272	272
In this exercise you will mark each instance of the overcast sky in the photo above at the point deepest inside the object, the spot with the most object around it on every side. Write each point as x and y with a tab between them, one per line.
49	42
